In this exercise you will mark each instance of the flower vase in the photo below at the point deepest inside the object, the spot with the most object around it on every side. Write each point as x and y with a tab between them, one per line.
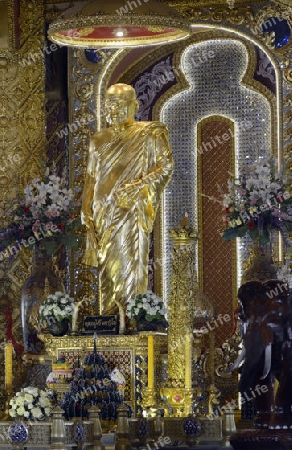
260	267
42	281
58	328
154	325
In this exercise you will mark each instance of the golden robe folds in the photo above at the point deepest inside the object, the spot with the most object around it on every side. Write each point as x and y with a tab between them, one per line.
130	172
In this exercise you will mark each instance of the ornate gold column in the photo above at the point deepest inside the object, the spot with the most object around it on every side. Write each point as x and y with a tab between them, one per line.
22	141
178	392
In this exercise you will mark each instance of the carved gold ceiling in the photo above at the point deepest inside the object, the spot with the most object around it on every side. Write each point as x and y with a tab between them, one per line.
214	3
58	6
176	2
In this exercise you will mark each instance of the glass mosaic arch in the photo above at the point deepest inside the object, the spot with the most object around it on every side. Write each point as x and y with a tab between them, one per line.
216	88
224	93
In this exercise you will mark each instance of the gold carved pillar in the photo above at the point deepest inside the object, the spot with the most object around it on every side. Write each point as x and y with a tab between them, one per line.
178	392
22	141
181	299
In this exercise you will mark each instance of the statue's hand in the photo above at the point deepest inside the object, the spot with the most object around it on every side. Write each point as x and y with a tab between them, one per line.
127	195
86	219
91	237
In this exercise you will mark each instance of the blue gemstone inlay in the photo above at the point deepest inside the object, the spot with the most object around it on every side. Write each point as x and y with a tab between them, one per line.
281	29
93	55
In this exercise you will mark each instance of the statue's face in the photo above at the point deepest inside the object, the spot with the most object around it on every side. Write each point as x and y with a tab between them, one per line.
117	109
120	103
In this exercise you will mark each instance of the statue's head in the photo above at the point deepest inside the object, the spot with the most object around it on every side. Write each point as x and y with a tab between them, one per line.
250	294
121	103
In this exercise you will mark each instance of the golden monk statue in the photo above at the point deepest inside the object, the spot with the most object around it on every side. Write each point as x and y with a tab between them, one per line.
129	165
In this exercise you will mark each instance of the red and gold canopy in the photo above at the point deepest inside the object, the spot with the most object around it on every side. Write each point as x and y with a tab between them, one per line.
118	24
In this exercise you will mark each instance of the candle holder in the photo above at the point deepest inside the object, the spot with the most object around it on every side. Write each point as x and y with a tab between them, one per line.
9	395
179	398
149	399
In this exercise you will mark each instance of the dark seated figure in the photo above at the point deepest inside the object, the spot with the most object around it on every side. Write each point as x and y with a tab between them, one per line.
266	315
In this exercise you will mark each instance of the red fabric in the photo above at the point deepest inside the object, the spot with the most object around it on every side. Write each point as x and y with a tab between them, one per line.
9	335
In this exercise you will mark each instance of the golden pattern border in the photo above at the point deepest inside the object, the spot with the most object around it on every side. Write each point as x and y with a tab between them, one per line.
22	141
179	4
5	50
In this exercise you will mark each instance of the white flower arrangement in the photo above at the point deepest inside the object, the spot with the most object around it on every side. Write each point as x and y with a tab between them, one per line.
257	202
46	211
284	273
56	307
31	403
146	306
49	198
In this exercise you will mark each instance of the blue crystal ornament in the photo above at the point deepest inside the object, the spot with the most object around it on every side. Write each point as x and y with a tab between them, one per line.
18	432
192	427
79	432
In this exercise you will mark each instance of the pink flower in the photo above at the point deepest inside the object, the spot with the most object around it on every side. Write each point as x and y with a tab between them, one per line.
35	228
21	227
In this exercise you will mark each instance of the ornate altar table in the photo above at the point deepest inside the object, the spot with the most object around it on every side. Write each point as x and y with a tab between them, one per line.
126	352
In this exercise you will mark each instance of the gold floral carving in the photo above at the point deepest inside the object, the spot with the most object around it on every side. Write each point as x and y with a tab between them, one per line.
7	34
222	358
22	137
181	298
194	12
181	4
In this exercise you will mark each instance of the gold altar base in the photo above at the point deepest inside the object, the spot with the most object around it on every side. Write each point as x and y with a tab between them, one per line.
180	399
127	352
